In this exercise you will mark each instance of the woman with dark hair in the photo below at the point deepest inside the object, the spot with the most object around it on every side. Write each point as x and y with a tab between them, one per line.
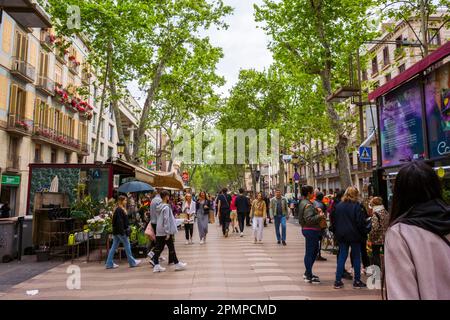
417	243
309	218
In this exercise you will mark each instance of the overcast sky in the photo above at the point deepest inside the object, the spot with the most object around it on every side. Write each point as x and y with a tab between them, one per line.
244	45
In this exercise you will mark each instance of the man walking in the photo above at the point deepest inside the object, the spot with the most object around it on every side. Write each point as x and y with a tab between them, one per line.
224	210
280	212
156	201
243	209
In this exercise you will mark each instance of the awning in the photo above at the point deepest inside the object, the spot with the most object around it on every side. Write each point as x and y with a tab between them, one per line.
409	73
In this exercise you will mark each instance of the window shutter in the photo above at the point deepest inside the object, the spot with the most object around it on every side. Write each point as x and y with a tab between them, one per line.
13	99
37	111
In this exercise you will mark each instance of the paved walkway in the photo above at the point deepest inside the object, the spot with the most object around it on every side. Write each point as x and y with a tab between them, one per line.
232	268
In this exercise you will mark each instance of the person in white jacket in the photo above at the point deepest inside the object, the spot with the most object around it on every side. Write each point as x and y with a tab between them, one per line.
188	208
166	228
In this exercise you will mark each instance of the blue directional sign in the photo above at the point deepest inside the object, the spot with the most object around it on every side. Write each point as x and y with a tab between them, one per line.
365	154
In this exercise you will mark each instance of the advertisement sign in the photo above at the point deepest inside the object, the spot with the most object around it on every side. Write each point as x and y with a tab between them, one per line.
11	180
437	101
401	125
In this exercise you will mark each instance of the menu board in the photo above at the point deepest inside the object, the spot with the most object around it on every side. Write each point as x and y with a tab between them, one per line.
437	98
401	125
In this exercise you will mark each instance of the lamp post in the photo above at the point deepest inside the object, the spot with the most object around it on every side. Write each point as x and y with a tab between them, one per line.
120	148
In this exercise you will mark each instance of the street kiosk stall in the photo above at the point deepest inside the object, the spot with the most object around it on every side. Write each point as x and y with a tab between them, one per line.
59	227
414	120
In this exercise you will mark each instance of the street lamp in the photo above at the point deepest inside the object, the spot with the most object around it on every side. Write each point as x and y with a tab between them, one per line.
120	148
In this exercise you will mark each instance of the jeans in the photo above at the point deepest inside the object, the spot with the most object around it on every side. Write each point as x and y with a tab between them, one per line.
117	239
280	220
160	243
342	258
189	231
258	227
241	218
312	249
364	256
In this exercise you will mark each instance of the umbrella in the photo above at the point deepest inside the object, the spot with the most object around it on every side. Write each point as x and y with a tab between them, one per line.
54	186
135	186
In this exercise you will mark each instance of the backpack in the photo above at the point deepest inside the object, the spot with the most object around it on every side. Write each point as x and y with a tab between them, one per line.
301	217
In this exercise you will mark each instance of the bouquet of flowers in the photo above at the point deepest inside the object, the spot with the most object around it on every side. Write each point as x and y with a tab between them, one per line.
97	224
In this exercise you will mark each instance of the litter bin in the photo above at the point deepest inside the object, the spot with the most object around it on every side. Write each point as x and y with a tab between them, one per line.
27	239
8	239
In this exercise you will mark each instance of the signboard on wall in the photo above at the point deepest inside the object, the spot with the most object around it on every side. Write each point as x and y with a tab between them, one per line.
401	125
437	102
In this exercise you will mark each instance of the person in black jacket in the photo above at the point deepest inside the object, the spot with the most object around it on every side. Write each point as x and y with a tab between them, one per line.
5	210
223	211
121	232
243	210
350	230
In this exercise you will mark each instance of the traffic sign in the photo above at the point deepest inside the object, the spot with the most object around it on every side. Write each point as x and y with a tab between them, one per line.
365	154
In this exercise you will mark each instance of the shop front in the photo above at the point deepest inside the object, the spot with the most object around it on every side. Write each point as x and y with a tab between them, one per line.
414	120
10	184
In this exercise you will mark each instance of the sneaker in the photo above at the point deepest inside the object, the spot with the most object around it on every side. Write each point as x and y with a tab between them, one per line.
359	285
158	268
347	275
279	242
314	276
114	266
320	258
201	241
284	243
187	242
191	242
242	234
312	280
180	266
137	263
338	285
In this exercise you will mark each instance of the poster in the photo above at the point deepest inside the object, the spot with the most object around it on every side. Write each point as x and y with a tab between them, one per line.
401	125
437	99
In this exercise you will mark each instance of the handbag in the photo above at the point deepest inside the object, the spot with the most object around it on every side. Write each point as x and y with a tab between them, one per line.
149	232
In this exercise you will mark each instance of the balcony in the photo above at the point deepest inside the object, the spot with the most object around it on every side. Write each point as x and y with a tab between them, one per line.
46	85
61	55
74	67
18	125
27	13
47	40
23	70
44	134
13	163
86	78
85	149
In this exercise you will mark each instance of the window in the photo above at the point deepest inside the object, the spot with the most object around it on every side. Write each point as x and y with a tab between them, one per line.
53	155
93	146
374	66
17	101
37	153
66	157
386	56
43	64
111	111
102	149
111	133
110	152
58	73
364	75
401	68
94	122
102	125
398	42
434	38
388	77
21	43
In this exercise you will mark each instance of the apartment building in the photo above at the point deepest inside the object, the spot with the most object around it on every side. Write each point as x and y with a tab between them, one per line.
43	118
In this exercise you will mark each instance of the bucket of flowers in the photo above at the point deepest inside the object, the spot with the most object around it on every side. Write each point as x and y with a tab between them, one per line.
22	125
97	226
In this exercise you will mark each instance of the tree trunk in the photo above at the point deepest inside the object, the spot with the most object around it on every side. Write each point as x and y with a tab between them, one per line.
281	171
102	100
147	105
424	26
118	118
253	174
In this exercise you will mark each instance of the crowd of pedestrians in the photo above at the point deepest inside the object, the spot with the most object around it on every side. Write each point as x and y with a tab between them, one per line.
410	244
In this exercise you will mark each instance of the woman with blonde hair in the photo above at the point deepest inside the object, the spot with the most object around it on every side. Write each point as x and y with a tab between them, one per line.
121	232
350	231
258	215
189	208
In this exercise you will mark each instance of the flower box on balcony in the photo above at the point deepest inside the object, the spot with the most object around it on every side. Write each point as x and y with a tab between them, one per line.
22	125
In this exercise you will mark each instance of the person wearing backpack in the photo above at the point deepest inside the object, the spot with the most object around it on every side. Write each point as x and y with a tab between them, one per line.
380	220
417	243
310	220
